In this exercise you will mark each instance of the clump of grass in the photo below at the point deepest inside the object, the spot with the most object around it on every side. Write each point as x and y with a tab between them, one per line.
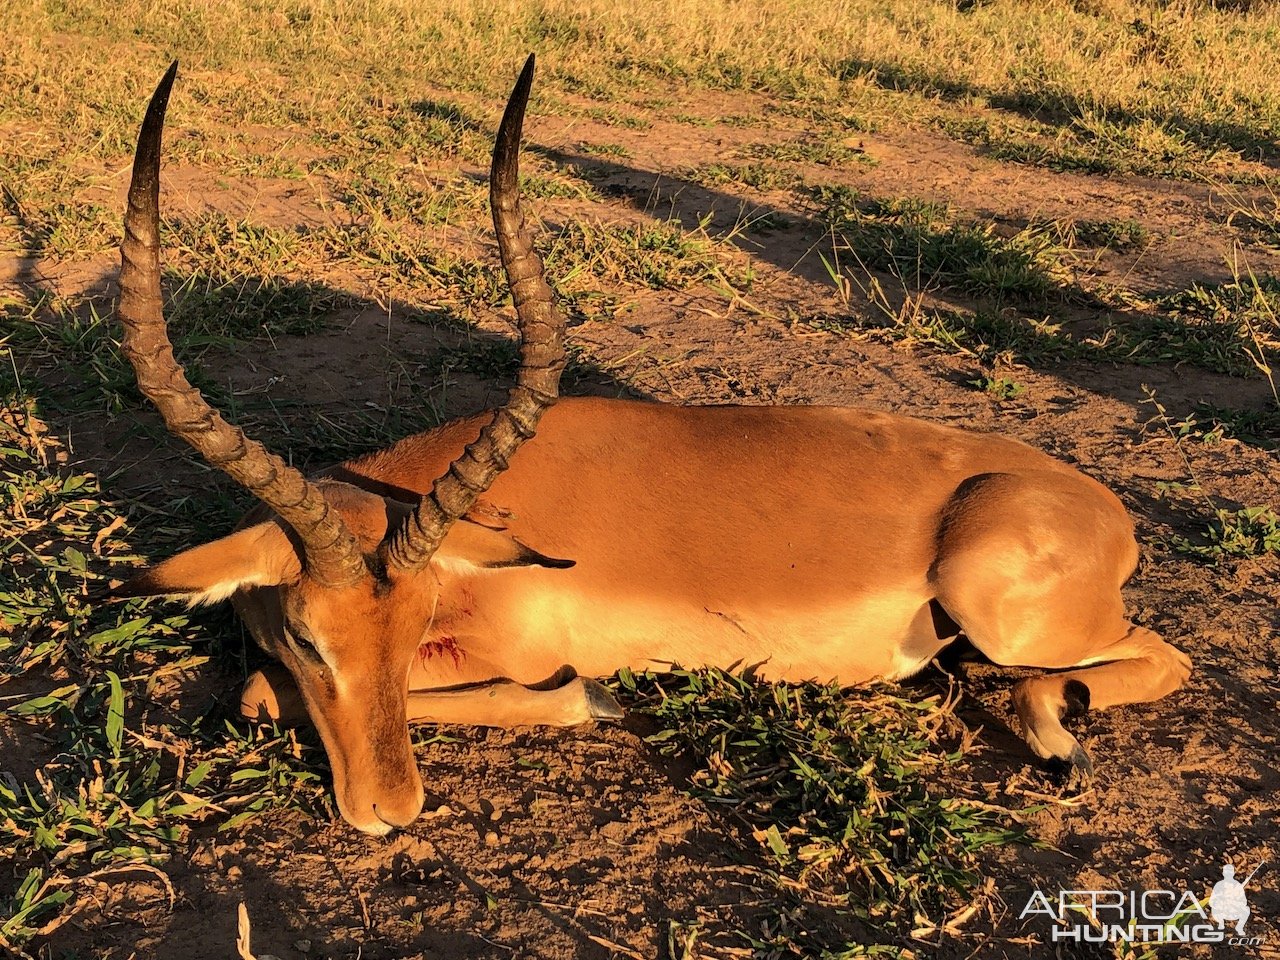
1259	217
825	151
658	255
225	246
382	189
1092	142
1246	532
756	175
1258	427
560	185
921	242
1231	327
1122	234
614	150
833	784
209	308
616	118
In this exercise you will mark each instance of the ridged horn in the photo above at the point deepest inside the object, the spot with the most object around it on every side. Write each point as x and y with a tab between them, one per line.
541	358
331	554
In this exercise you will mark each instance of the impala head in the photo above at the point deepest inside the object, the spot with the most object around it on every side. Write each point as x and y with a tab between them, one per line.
346	579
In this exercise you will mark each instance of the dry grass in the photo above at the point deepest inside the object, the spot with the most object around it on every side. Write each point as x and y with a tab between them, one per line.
1165	82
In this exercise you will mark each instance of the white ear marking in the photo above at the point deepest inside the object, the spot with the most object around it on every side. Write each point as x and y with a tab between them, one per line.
221	591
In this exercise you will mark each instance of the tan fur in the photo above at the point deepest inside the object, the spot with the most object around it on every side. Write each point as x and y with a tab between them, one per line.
814	543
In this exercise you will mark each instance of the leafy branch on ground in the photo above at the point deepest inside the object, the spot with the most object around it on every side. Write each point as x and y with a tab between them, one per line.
833	785
111	779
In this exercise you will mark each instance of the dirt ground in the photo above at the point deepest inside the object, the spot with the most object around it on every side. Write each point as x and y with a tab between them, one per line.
581	843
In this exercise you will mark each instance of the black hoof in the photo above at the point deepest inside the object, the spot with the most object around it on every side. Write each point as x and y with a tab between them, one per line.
601	702
1074	772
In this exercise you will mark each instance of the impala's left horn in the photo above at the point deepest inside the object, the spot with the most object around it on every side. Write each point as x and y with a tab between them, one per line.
542	358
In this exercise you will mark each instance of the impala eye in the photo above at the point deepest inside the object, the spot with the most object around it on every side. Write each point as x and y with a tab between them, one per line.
298	637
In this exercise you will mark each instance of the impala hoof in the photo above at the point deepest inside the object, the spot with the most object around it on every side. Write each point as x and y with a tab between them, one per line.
600	702
1075	771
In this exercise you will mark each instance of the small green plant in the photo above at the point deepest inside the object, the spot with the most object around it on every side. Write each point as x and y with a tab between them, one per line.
1126	234
1259	427
824	151
1001	388
1246	532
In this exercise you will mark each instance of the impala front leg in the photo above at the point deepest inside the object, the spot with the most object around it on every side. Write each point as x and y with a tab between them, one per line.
505	703
271	695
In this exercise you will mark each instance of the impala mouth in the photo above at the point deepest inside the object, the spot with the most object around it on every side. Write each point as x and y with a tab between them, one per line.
385	816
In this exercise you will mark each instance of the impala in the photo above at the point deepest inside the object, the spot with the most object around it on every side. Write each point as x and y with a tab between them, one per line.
477	573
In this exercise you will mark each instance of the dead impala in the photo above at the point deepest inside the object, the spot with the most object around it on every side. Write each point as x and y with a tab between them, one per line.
452	579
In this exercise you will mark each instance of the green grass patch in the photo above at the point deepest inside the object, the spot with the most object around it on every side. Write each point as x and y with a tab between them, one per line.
1242	533
655	254
1230	327
833	785
756	175
614	151
612	117
1259	427
112	778
923	244
564	184
824	151
1120	234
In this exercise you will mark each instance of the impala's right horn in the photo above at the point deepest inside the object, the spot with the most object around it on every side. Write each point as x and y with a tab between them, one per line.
331	554
541	359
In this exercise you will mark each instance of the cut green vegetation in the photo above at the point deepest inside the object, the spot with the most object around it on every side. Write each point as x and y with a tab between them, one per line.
834	786
112	778
999	388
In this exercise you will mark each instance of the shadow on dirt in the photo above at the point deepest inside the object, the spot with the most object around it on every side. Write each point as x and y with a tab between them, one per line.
987	296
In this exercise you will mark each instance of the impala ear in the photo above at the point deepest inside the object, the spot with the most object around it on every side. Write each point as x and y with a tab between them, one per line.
257	556
470	544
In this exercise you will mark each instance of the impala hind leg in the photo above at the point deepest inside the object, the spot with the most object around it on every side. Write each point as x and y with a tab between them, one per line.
1030	566
1141	667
